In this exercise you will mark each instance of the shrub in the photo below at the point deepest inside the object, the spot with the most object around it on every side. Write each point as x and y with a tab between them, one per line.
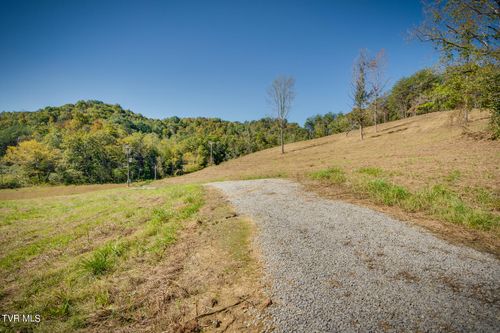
10	181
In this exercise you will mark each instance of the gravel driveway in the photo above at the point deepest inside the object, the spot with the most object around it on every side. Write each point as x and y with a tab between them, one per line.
337	267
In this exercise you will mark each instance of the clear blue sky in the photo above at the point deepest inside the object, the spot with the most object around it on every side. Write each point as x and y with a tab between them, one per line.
198	58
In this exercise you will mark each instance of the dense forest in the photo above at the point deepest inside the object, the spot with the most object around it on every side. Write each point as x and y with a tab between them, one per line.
85	143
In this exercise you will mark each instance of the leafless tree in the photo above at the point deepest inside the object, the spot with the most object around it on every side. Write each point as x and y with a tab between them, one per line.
377	82
281	95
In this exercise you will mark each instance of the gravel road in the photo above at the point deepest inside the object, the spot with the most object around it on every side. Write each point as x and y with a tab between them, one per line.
338	267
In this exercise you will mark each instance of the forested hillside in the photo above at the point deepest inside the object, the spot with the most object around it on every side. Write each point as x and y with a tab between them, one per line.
84	143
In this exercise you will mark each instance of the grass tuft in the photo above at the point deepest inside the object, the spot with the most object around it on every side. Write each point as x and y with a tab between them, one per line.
387	193
371	171
334	175
100	262
453	176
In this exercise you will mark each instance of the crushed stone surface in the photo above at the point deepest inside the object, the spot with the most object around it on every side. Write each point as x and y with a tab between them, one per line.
337	267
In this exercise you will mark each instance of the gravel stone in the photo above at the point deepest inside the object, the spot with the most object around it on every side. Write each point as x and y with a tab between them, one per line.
338	267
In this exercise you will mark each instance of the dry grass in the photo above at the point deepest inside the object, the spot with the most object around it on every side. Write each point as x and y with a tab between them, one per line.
208	281
51	191
417	151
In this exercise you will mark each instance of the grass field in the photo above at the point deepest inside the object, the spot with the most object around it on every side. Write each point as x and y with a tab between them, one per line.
58	253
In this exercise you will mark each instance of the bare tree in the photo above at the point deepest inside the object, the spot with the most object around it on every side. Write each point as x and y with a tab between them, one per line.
281	95
360	95
377	81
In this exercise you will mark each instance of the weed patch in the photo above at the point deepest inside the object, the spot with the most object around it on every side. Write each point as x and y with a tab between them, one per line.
102	260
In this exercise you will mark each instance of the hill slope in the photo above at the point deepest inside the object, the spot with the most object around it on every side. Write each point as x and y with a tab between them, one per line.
422	169
417	150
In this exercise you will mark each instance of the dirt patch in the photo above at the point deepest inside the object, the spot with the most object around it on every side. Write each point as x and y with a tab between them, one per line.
209	280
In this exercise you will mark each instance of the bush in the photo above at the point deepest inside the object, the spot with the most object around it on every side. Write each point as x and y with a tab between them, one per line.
10	181
55	178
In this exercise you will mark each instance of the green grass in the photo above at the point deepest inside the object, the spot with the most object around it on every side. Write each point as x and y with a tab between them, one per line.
371	171
334	175
387	193
61	255
440	201
102	260
236	239
444	203
453	176
278	174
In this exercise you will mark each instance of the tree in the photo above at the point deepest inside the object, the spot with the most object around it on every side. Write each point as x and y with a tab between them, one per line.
464	30
360	94
36	160
377	81
408	93
467	33
281	95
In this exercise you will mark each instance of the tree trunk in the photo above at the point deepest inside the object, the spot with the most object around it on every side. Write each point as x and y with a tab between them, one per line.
375	118
281	139
361	131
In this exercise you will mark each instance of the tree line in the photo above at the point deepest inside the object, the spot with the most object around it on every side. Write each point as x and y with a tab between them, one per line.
85	143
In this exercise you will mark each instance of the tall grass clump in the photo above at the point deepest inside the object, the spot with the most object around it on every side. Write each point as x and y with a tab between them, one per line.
334	175
387	193
103	259
442	202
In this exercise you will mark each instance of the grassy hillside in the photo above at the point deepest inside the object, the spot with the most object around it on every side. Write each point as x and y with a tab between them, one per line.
422	168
